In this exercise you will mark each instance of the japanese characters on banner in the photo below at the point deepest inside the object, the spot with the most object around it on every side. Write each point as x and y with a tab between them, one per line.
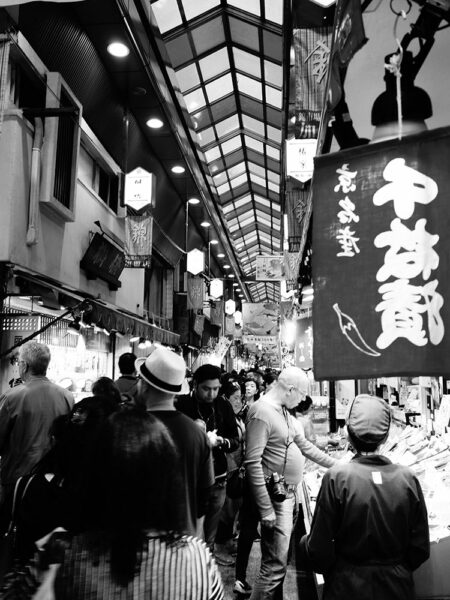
195	292
138	240
269	268
381	259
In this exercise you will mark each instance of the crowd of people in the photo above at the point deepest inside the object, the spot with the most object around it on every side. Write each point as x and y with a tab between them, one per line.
131	493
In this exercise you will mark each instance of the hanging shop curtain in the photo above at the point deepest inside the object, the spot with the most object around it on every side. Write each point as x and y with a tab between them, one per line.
381	259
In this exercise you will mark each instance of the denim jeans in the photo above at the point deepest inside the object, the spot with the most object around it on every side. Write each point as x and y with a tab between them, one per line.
275	549
213	510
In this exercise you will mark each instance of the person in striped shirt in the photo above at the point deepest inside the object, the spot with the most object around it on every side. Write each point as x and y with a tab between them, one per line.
134	547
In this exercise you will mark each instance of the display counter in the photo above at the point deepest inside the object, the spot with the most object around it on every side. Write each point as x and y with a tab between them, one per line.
429	457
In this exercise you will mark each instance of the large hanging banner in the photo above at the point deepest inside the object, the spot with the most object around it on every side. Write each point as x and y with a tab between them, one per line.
138	240
269	268
381	251
195	292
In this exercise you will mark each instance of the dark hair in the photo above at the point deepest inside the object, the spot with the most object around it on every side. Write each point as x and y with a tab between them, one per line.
230	387
126	363
105	386
134	486
270	377
304	405
206	372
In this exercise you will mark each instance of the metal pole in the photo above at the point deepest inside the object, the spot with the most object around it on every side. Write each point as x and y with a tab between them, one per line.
186	227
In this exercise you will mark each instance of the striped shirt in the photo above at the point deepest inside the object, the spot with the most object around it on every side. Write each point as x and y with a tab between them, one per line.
170	570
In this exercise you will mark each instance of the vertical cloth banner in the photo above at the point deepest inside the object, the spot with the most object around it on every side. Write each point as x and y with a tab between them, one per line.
381	259
229	325
138	240
217	313
195	292
304	343
312	48
199	324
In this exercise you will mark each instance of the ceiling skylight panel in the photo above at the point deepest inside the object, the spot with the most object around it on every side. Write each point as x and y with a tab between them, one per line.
273	10
219	179
219	87
274	134
188	78
236	170
214	64
227	126
195	100
258	180
249	86
254	144
212	154
237	181
273	73
233	227
247	221
274	187
253	125
272	152
274	177
256	169
231	145
228	208
222	189
273	97
206	136
243	201
246	62
167	15
194	8
251	6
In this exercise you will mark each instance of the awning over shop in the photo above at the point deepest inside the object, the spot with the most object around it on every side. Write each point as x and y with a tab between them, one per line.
55	295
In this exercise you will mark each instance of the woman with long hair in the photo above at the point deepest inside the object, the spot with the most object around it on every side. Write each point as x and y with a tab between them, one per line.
133	548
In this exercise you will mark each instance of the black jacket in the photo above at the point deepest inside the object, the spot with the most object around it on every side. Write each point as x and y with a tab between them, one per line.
218	415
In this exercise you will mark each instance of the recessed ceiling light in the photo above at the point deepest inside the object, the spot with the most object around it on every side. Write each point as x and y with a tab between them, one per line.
221	255
238	289
235	284
231	275
193	201
154	123
213	242
226	267
118	49
177	169
205	224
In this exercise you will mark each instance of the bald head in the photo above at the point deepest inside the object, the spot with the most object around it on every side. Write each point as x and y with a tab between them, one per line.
292	386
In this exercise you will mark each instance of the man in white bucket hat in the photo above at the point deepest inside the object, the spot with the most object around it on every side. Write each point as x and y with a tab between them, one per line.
161	378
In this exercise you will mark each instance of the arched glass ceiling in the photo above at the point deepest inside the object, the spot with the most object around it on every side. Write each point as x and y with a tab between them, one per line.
227	56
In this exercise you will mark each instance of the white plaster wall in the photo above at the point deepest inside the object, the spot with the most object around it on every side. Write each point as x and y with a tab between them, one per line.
60	245
365	74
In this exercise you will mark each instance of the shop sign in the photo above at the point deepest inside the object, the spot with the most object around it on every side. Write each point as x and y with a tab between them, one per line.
140	189
381	259
300	158
260	340
104	260
269	268
260	318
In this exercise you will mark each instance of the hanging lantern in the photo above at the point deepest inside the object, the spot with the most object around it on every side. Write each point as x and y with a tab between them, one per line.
195	261
230	307
216	288
238	318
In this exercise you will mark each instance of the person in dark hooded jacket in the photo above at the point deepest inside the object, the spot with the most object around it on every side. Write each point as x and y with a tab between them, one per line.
370	526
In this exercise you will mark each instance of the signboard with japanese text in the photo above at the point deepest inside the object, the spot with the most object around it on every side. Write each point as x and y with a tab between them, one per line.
140	189
260	318
269	268
381	259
